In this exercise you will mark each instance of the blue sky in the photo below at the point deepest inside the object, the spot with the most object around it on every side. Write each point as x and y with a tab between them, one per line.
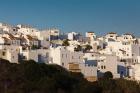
100	16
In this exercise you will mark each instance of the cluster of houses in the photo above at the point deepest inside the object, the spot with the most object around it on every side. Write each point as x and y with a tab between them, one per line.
89	54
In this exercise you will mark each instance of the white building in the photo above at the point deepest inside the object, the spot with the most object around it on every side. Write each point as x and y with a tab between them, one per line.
73	61
39	55
108	63
72	35
89	71
111	36
136	71
103	63
27	30
49	34
1	41
62	56
10	53
91	35
5	27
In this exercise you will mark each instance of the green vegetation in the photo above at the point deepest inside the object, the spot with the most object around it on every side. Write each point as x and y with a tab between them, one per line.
108	75
32	77
87	47
65	43
78	48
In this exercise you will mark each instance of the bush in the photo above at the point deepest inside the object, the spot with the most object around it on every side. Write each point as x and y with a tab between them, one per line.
108	75
65	43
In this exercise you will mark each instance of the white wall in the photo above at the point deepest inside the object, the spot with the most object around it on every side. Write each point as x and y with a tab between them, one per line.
109	63
1	40
63	55
88	70
136	71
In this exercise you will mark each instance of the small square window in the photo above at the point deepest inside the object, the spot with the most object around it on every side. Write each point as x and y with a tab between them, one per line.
62	64
101	67
104	67
3	53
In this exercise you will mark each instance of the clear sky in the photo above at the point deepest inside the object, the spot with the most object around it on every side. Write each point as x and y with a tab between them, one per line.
100	16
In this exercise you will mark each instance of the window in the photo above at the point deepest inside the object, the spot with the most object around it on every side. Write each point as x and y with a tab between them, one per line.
3	53
55	32
101	67
104	67
62	64
121	72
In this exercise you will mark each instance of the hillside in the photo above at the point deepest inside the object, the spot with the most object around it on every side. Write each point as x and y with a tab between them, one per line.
31	77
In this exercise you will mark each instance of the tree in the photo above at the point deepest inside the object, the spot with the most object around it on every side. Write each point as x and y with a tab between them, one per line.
78	48
88	47
65	43
108	75
32	77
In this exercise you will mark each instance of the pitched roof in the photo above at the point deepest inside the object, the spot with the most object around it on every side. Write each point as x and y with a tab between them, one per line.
129	34
111	33
11	36
31	38
5	38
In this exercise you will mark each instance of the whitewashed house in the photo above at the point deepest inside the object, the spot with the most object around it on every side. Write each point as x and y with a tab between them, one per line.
39	55
26	30
108	63
111	36
91	35
10	53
